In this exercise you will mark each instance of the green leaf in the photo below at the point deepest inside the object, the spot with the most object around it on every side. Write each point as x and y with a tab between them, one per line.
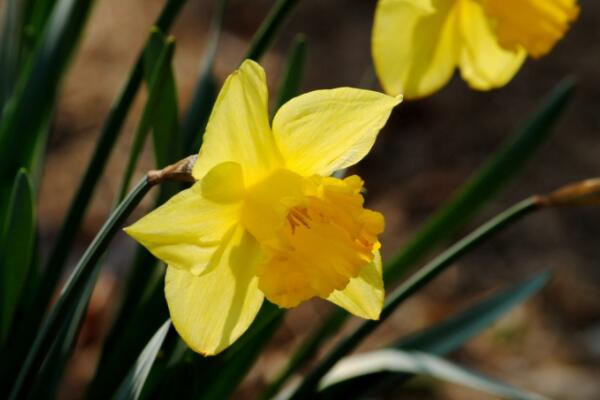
137	319
48	378
33	99
72	294
448	335
418	363
196	117
159	81
108	137
133	384
11	38
17	243
266	33
484	185
294	72
453	332
164	119
468	201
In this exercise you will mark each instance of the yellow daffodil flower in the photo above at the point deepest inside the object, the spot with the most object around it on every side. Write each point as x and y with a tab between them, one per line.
264	218
417	44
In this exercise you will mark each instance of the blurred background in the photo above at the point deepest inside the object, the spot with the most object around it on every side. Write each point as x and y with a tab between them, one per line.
430	147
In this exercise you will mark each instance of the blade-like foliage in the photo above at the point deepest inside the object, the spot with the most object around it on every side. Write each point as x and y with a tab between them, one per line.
11	41
451	333
418	363
132	385
158	83
196	117
134	325
504	164
108	137
164	120
72	294
266	33
48	378
17	241
34	96
443	337
294	72
508	161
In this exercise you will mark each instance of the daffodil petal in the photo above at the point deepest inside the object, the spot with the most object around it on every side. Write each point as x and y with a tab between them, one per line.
364	294
415	45
484	63
213	310
238	129
326	130
186	231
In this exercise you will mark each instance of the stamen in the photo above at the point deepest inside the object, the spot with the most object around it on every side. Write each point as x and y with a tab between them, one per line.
298	216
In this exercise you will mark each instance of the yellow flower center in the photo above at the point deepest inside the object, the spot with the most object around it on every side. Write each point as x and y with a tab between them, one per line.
314	233
536	25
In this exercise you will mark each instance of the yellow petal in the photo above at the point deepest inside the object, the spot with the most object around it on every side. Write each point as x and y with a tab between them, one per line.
415	45
484	64
326	130
364	294
212	310
186	231
535	25
238	129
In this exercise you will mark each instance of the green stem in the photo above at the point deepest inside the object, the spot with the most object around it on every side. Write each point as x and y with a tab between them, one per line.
413	284
86	267
108	137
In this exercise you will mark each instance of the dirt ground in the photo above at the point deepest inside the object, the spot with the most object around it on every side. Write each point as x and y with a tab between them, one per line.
550	345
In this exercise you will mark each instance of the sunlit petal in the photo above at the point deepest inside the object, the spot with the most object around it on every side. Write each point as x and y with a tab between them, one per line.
322	131
212	310
484	64
364	294
414	45
238	129
187	230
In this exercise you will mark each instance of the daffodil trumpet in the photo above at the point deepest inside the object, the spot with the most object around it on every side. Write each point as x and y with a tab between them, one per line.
418	44
264	217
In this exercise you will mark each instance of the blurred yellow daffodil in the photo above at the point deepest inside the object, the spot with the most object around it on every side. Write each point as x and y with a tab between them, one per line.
417	44
264	218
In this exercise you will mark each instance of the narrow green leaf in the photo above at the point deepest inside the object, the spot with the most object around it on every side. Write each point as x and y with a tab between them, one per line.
133	384
11	37
165	124
48	378
205	94
156	94
35	93
418	363
504	164
411	286
294	72
453	332
71	294
16	247
266	33
484	185
135	323
108	137
447	335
